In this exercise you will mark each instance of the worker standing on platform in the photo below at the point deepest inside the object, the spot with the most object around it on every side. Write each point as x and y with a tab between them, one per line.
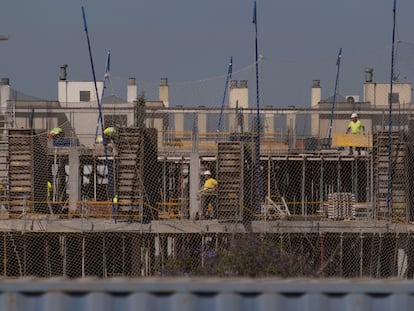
354	127
209	195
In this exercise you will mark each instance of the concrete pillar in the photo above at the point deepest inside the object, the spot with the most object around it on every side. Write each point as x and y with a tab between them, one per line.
291	129
164	91
194	179
315	99
131	90
74	179
179	124
137	244
202	125
269	125
159	125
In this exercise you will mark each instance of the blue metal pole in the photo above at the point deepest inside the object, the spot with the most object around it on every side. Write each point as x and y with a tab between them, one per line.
229	75
105	143
259	174
338	64
106	77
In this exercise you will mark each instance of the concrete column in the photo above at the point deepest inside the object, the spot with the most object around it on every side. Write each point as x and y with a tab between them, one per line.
179	124
194	184
164	91
269	125
202	125
291	128
74	179
159	125
131	90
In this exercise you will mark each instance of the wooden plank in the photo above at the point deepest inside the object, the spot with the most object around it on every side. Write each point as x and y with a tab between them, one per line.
351	140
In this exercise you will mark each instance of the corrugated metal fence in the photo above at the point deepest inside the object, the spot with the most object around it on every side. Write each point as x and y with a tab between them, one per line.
205	294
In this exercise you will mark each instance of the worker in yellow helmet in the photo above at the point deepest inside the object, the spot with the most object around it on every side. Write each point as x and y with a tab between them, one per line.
209	193
355	127
110	131
56	133
110	134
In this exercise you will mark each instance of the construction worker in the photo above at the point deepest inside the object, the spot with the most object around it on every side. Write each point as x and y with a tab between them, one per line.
49	189
354	127
110	132
56	133
209	195
99	139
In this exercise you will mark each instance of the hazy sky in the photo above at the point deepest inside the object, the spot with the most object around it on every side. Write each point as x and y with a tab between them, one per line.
191	41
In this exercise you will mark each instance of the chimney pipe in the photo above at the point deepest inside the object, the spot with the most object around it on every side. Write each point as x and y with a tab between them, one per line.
369	72
131	90
164	91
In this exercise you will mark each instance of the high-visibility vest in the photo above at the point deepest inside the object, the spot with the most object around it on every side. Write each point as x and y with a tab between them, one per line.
56	130
49	188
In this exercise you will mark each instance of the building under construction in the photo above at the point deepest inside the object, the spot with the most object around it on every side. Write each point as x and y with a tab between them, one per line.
77	206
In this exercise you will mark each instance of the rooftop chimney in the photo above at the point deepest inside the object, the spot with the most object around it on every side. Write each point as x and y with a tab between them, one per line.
369	72
316	83
163	91
63	72
4	93
131	90
243	84
316	93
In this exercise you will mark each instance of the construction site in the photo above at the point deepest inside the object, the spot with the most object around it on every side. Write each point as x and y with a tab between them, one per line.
131	205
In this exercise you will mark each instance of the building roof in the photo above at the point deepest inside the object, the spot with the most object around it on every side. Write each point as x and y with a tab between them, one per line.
339	98
113	99
17	95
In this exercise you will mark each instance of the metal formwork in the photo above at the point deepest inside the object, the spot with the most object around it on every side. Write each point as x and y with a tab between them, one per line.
237	175
137	168
26	159
398	207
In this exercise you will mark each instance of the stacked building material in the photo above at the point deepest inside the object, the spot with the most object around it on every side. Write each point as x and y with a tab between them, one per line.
341	205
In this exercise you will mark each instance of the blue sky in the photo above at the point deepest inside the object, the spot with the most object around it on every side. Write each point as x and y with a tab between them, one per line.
191	41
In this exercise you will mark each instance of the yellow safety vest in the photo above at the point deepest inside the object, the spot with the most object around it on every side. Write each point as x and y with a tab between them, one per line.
49	188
